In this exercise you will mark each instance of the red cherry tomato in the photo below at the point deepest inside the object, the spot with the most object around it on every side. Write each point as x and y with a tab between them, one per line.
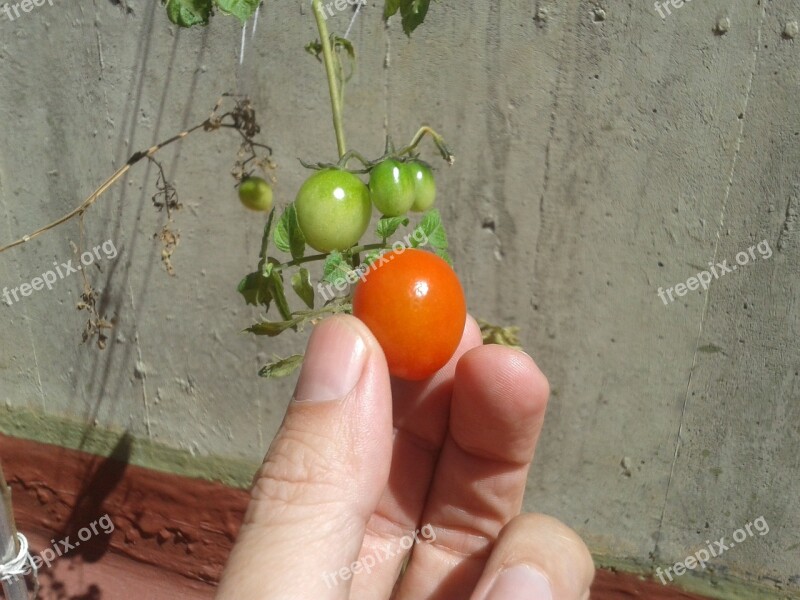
413	303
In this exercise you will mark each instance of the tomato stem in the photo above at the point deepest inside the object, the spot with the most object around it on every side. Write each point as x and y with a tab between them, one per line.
437	139
333	78
314	257
350	154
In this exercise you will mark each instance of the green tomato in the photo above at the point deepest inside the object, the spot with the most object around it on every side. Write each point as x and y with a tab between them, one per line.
256	194
333	210
424	186
391	186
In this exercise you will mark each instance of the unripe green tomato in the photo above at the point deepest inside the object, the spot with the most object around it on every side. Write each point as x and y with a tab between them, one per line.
424	186
256	194
333	210
391	187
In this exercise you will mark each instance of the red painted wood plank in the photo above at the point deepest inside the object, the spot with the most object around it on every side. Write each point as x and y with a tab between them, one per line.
171	535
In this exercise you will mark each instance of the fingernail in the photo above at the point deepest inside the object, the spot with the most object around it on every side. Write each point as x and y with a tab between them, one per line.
333	363
520	583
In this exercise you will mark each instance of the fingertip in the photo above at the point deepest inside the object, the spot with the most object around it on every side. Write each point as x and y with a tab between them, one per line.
506	373
333	362
552	554
358	325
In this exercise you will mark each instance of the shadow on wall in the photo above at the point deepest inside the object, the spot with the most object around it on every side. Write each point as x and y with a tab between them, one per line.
89	504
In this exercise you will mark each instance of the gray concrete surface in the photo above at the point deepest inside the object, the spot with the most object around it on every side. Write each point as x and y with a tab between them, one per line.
603	152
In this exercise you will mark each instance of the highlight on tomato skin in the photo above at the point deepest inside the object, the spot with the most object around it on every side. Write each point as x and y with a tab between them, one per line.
415	307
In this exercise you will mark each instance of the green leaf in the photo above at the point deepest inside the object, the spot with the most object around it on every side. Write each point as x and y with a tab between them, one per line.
413	14
280	237
271	328
337	43
267	266
390	8
287	235
255	289
335	267
276	289
340	43
186	13
243	9
301	284
388	225
314	49
298	319
431	232
282	367
274	328
262	255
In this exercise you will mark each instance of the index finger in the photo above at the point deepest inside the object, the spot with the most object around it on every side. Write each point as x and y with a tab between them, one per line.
421	414
497	412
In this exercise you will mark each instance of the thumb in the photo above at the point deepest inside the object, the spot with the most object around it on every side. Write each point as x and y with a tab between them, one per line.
323	474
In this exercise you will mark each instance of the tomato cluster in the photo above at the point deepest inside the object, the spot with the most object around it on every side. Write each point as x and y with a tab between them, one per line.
411	299
334	206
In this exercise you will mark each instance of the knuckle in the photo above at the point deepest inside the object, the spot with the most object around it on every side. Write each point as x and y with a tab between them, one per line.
295	474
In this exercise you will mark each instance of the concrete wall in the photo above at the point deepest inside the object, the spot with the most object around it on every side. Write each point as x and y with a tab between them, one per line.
603	152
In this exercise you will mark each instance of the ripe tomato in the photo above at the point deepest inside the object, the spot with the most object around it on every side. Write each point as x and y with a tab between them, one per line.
256	194
333	210
425	186
391	186
413	303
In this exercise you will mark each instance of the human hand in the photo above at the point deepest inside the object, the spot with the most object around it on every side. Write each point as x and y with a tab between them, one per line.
363	465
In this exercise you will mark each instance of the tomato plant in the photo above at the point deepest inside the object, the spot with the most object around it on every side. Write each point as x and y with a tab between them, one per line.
331	214
414	305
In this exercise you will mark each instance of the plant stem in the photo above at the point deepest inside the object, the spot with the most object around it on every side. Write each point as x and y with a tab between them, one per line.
437	139
368	247
333	81
314	257
353	154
